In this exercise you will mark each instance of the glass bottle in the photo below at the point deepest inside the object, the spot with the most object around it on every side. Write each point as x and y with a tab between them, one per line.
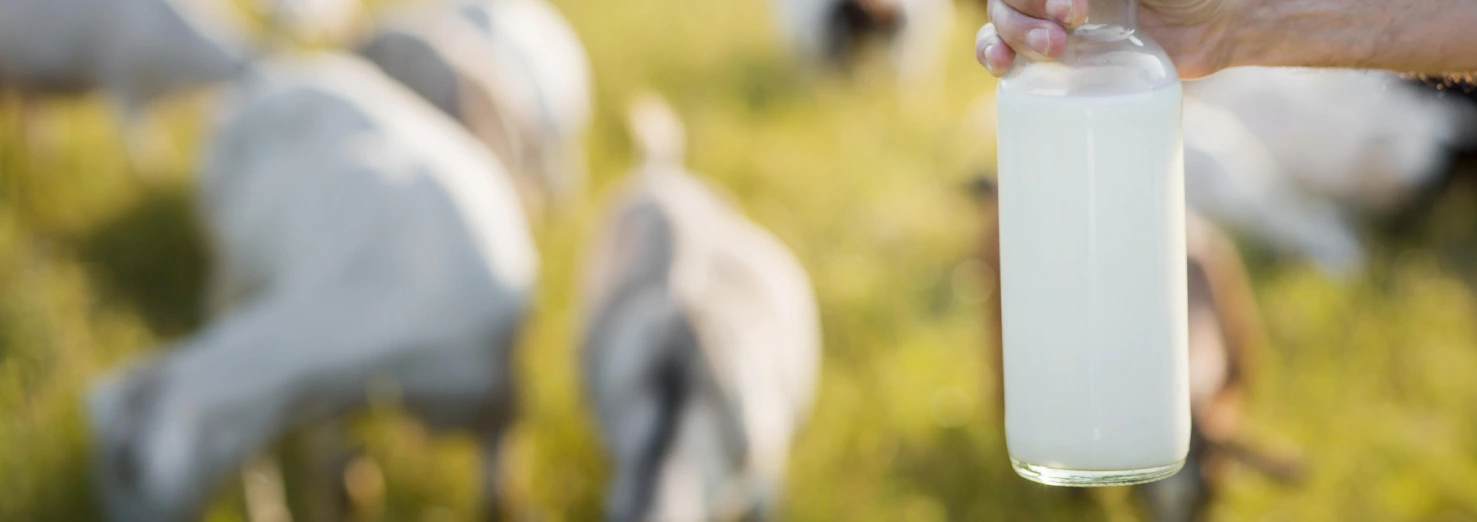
1092	242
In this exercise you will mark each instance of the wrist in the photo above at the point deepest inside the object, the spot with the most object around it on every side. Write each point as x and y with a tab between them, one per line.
1244	46
1275	33
1426	36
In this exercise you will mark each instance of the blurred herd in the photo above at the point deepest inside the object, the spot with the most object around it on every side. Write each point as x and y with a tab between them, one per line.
398	239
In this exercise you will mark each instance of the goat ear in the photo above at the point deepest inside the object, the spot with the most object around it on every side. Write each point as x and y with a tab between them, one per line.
982	187
657	130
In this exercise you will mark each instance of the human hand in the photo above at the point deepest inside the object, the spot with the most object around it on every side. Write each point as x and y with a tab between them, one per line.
1198	35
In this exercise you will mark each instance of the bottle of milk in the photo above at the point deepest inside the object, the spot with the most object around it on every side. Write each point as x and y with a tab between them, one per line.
1092	251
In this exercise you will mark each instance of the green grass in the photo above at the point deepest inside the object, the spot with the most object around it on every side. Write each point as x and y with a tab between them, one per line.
1368	378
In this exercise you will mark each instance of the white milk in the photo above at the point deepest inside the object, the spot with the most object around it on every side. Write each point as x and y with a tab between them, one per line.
1092	248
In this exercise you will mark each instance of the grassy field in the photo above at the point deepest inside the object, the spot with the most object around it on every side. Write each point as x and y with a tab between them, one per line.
1369	378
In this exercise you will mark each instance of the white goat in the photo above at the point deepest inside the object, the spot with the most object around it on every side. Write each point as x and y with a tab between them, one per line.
362	237
1232	178
137	50
701	349
512	71
1292	155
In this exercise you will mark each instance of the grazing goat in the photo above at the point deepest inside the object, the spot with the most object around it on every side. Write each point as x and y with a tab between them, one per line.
512	71
1295	157
136	50
701	347
361	237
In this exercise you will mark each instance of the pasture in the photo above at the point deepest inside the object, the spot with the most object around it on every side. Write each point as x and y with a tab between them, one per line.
1368	378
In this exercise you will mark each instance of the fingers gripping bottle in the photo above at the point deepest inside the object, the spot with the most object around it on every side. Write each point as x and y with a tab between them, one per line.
1093	288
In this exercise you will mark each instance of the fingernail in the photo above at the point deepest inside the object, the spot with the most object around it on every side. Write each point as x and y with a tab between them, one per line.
1061	11
985	59
1039	40
986	31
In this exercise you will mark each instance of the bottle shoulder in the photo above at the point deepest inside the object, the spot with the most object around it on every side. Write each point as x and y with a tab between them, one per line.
1097	63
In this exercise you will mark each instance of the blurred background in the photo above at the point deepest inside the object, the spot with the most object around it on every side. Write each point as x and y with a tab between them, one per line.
1365	376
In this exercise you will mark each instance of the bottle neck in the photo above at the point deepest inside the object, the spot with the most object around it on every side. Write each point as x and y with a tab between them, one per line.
1103	57
1112	16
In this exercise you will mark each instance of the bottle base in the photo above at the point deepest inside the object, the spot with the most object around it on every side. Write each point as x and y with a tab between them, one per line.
1094	478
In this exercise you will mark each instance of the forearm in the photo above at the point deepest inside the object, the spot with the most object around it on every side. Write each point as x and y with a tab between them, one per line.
1424	36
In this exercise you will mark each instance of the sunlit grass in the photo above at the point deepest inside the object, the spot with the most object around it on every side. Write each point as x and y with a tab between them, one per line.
1369	378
